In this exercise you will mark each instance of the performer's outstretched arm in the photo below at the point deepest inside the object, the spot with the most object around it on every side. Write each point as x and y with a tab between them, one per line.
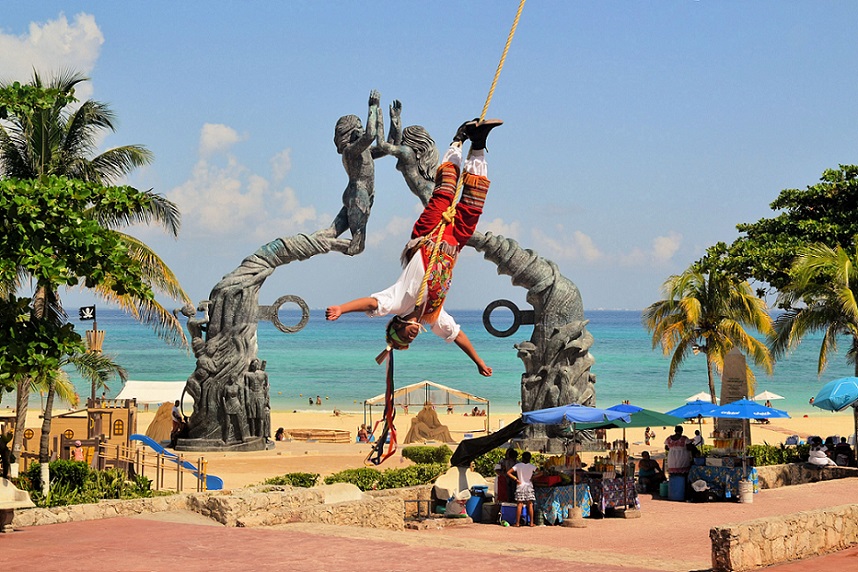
465	343
359	305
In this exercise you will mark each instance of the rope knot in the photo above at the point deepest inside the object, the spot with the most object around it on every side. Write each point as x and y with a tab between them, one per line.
449	215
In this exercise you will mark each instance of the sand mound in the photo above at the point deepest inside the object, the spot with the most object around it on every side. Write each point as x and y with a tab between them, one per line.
162	424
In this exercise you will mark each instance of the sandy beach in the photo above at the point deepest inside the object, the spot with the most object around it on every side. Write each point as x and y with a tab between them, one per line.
242	469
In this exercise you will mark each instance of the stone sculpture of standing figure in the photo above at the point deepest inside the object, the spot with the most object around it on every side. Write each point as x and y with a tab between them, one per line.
355	145
235	428
254	384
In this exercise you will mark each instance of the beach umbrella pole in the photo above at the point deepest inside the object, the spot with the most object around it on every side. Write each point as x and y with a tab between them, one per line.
855	423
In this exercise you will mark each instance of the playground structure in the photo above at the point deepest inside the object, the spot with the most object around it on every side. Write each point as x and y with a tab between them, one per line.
107	431
108	421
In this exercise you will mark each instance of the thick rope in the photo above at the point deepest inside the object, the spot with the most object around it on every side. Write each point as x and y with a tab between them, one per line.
450	214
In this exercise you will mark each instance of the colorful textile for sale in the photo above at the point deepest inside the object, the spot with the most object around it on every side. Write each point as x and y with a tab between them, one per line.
718	477
556	502
610	493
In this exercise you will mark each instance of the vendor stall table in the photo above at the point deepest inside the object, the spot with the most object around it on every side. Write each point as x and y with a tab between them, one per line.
610	493
718	477
555	502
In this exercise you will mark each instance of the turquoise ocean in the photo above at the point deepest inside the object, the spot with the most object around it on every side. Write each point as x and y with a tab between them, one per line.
335	360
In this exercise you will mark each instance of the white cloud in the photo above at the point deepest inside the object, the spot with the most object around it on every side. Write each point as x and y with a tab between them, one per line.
661	251
498	226
398	229
281	164
52	47
579	246
216	137
664	247
223	200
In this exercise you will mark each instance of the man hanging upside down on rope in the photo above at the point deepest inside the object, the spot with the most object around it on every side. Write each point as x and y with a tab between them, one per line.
402	297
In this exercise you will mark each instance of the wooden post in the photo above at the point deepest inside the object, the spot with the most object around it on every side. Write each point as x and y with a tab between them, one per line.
158	475
179	473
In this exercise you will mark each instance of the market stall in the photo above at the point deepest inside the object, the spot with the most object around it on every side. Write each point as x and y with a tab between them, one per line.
613	493
556	503
720	480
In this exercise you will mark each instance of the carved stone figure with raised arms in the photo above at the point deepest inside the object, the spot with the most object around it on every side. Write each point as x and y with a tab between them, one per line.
354	143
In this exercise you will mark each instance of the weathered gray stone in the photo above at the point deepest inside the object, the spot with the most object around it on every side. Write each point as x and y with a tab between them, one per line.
767	541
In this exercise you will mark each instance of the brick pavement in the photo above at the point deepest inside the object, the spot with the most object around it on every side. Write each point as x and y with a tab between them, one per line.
668	536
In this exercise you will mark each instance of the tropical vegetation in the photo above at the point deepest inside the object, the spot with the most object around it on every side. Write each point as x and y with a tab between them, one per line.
709	313
61	211
821	298
73	482
824	213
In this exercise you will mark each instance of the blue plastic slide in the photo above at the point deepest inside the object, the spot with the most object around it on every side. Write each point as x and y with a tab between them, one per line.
213	483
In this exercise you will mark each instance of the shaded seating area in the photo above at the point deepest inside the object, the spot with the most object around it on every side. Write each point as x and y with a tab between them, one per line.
440	397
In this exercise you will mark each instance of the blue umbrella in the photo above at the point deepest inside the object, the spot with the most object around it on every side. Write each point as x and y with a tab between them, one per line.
693	409
746	409
573	413
837	395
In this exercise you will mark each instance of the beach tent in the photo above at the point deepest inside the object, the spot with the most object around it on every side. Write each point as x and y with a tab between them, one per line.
416	394
154	391
702	396
767	396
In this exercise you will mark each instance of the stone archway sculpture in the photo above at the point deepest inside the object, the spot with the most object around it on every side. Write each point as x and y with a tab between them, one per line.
557	359
224	337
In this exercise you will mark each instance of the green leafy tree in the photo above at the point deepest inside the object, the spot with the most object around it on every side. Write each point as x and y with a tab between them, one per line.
94	367
62	213
45	134
821	298
825	213
708	313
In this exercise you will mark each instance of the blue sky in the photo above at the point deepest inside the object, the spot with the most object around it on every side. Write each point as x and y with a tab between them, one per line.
637	133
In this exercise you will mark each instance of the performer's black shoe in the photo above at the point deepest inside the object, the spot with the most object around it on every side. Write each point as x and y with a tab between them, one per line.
462	133
479	131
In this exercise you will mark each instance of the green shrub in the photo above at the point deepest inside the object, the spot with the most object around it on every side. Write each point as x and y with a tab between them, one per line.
485	463
411	476
72	473
365	478
427	454
72	482
777	454
303	480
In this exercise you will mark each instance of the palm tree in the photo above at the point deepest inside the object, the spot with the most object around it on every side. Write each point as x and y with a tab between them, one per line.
59	140
825	283
96	367
708	313
39	139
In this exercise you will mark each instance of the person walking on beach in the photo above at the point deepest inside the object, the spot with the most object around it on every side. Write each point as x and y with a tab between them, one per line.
649	435
522	473
401	298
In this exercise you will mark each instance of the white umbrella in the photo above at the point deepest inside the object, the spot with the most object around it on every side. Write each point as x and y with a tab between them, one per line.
702	396
768	395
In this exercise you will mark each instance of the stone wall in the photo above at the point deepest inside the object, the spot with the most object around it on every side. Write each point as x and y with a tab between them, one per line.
773	540
257	506
774	476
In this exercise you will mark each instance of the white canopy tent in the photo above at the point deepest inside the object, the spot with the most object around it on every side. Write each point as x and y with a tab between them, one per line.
426	391
154	391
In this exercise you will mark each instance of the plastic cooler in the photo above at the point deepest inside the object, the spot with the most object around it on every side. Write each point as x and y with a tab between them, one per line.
676	488
507	513
474	506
